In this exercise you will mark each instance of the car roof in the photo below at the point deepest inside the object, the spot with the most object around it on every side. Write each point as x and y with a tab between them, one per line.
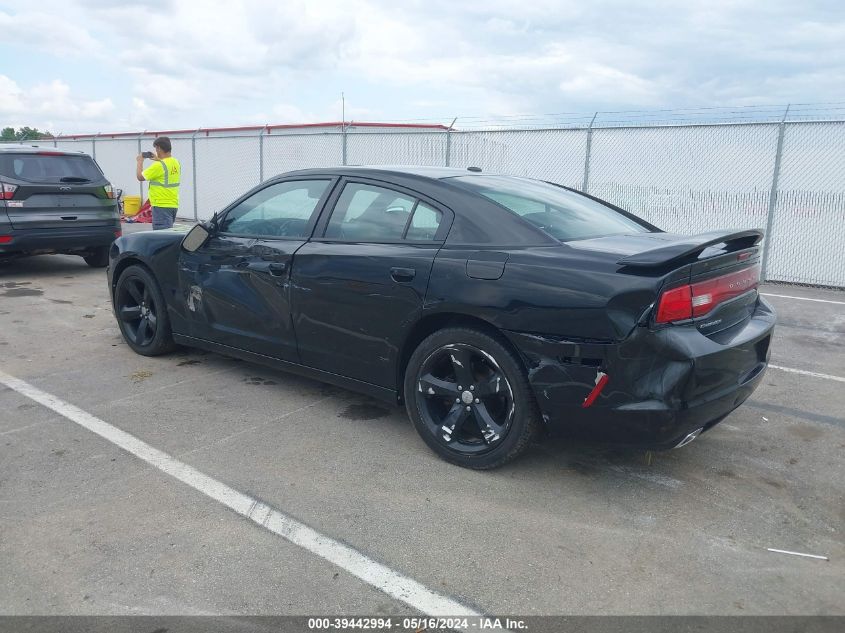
477	220
20	148
418	171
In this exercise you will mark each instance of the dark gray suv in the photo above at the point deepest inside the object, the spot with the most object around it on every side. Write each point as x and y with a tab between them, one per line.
54	201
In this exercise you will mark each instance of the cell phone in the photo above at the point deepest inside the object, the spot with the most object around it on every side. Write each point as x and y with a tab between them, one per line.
147	154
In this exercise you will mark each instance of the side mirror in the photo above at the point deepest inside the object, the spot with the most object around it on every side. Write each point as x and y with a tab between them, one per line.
196	238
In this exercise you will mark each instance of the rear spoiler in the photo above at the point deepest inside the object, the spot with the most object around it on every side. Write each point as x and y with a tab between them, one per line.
693	246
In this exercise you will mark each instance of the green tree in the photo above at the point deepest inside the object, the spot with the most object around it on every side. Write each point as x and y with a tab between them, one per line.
25	133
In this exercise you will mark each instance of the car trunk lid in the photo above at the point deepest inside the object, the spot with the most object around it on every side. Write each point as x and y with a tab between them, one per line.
53	206
708	280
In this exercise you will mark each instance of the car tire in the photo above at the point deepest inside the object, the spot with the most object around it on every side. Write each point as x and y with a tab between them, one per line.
142	312
98	258
482	425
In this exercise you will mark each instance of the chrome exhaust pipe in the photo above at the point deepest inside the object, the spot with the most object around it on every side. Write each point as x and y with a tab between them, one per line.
689	438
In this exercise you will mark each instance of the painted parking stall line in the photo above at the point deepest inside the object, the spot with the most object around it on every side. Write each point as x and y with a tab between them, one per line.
382	577
770	294
804	372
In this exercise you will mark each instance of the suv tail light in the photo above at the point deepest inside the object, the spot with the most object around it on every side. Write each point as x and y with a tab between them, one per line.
695	300
109	191
7	191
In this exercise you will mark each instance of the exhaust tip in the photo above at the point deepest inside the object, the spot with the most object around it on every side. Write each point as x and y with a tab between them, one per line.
689	438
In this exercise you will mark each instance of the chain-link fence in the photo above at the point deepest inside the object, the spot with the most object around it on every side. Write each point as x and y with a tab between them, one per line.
787	176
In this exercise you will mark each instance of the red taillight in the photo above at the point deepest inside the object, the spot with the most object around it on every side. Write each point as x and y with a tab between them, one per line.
109	191
675	305
7	191
5	239
690	301
118	233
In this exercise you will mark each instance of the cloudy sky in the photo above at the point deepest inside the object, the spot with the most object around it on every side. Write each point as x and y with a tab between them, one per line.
104	65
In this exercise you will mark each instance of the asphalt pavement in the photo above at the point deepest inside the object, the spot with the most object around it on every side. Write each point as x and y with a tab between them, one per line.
88	527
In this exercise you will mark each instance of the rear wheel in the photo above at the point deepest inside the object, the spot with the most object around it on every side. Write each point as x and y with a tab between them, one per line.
142	312
469	398
98	258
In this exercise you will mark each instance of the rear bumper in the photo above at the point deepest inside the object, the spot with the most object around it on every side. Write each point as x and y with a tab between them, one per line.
61	240
662	384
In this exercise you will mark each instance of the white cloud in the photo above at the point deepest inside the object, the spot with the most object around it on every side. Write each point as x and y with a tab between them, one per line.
40	31
11	97
51	104
222	62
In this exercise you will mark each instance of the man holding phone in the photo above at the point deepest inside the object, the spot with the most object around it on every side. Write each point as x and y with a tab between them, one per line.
163	176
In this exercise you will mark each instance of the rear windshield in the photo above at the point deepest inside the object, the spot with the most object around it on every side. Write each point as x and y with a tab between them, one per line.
49	169
563	214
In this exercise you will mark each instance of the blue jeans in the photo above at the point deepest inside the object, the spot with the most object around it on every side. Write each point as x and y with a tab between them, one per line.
163	217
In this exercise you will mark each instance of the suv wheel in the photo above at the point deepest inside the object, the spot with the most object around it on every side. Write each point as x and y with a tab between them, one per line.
469	398
98	258
142	313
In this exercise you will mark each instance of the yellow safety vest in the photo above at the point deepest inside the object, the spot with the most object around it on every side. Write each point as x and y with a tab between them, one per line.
164	176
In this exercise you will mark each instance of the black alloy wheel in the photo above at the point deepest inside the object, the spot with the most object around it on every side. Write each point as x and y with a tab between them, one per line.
142	312
466	400
469	399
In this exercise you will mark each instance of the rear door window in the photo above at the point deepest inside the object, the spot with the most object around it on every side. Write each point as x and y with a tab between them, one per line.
49	169
424	223
367	213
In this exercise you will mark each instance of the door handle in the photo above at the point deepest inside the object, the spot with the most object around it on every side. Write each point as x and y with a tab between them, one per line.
277	269
402	274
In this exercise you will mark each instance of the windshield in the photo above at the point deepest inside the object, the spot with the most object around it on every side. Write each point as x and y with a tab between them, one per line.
563	214
45	168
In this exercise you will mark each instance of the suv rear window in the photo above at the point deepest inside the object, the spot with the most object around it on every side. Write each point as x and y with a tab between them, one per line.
46	168
563	214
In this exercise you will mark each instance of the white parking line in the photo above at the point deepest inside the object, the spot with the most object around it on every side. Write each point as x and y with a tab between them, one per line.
769	294
391	582
804	372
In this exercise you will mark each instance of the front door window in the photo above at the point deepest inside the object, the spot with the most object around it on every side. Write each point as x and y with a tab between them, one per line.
284	209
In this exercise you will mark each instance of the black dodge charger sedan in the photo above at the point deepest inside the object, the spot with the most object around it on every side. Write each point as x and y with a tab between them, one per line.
495	308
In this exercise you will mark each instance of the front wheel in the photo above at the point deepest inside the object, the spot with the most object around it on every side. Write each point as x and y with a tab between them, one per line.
142	312
469	398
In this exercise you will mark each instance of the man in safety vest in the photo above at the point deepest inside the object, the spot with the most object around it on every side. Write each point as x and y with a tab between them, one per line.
163	175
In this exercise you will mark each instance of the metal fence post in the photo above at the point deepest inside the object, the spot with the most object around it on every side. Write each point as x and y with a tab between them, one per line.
194	170
585	184
261	154
449	142
141	183
94	146
773	196
343	139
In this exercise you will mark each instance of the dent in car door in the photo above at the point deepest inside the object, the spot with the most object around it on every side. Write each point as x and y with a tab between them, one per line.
237	285
237	294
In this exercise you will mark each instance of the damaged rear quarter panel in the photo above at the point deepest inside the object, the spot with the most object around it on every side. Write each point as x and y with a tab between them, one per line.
550	290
